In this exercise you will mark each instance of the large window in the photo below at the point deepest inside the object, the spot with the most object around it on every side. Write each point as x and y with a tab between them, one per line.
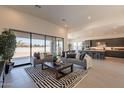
38	43
50	44
22	52
29	43
59	45
77	46
80	45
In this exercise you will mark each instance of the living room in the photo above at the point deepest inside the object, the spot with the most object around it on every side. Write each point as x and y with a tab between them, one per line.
86	44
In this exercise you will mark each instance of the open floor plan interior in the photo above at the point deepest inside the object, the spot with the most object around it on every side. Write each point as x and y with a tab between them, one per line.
61	46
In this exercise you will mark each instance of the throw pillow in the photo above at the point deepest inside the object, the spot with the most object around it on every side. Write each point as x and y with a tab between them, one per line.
38	55
88	61
78	56
82	56
41	55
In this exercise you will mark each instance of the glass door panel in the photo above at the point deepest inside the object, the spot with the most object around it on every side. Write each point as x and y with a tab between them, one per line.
29	43
59	46
50	45
22	52
79	46
38	43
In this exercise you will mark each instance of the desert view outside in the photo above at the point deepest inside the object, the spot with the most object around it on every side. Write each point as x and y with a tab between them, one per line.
25	51
22	52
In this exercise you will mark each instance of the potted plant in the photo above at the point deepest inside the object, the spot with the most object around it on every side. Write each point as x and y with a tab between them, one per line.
69	46
7	47
54	58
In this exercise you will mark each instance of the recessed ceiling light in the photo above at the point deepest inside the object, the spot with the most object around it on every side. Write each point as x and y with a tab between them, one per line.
63	19
89	17
38	6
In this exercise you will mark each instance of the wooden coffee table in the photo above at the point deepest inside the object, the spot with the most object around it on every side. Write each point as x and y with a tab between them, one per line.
58	69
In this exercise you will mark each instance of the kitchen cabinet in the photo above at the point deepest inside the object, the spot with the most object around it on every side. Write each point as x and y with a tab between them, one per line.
112	42
114	53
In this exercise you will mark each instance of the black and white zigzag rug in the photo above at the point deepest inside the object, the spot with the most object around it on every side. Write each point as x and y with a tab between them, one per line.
46	78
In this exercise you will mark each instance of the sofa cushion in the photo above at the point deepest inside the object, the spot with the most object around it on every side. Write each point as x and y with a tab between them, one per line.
73	61
37	55
41	55
71	55
48	59
81	56
37	61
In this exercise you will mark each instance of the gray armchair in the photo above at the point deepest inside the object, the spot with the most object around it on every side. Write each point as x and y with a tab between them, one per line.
36	61
40	59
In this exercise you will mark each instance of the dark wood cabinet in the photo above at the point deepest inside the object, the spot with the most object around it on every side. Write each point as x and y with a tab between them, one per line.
88	43
113	42
114	53
118	42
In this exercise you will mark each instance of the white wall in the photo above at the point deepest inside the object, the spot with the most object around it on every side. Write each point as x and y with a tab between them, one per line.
10	18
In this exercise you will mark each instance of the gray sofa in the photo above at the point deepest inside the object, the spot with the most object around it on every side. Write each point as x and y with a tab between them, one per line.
64	59
75	61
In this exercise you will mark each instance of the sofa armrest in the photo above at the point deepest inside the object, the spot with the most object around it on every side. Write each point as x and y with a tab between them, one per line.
36	61
88	61
47	59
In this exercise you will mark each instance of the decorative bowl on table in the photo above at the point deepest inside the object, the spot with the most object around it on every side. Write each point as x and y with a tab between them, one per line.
57	63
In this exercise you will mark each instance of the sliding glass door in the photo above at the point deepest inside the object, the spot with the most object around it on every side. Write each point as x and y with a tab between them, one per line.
50	45
77	46
38	43
59	45
29	43
22	52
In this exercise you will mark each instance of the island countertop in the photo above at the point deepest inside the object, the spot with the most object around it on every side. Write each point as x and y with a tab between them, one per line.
106	53
95	50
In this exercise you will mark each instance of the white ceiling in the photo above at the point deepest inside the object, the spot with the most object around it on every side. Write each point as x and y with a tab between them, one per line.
75	15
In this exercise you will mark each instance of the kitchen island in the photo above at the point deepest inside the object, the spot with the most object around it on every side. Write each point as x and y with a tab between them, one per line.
96	54
115	53
101	54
